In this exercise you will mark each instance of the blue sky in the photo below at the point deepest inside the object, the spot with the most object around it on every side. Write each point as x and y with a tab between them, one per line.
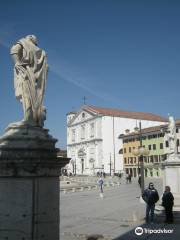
118	53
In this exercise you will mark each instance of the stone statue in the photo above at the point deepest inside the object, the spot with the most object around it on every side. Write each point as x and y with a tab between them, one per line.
30	74
171	136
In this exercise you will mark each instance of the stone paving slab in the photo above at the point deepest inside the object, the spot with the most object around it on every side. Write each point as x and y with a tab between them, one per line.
160	231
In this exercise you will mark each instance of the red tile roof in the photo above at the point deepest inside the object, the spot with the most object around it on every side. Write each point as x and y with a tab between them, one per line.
144	131
124	114
149	130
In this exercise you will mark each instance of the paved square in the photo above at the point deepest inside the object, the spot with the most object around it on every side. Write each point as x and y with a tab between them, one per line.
85	213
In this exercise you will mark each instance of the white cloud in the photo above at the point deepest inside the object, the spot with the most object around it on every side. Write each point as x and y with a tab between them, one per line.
61	68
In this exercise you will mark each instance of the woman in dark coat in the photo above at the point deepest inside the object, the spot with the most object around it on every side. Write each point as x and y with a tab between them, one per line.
168	202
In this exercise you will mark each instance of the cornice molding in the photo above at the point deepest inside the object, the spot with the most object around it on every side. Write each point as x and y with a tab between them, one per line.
85	142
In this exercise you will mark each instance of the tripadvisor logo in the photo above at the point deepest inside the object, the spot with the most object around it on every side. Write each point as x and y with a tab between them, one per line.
139	231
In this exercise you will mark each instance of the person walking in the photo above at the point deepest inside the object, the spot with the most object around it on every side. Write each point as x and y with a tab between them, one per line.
150	196
127	178
167	203
100	182
139	180
119	175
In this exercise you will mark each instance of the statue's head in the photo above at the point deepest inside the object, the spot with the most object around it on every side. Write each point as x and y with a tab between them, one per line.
32	38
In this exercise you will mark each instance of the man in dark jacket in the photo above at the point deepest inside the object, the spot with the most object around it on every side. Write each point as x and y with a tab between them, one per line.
168	202
150	196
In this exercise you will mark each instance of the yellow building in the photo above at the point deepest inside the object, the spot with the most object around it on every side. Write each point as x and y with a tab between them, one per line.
130	161
154	142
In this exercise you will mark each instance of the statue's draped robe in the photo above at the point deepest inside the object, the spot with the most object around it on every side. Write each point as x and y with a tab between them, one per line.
30	80
172	136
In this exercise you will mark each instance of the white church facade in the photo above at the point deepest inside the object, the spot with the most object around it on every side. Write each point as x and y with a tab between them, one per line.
92	137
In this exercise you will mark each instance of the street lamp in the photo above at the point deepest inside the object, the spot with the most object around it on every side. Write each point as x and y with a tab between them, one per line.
92	167
73	161
141	151
110	165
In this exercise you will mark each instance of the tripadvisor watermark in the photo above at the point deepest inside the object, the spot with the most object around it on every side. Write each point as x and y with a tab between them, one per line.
139	231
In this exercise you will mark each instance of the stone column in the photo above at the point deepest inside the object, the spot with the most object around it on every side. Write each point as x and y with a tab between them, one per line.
171	177
29	184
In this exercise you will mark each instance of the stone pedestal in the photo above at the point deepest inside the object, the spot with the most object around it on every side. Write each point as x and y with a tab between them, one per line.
29	184
171	177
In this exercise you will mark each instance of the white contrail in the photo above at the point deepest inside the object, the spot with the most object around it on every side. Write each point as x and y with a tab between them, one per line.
64	71
69	75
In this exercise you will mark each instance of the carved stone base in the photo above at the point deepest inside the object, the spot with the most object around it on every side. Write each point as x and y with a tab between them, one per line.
28	151
171	177
29	183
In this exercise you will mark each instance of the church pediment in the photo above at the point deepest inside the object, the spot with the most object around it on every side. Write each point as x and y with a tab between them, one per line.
81	117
